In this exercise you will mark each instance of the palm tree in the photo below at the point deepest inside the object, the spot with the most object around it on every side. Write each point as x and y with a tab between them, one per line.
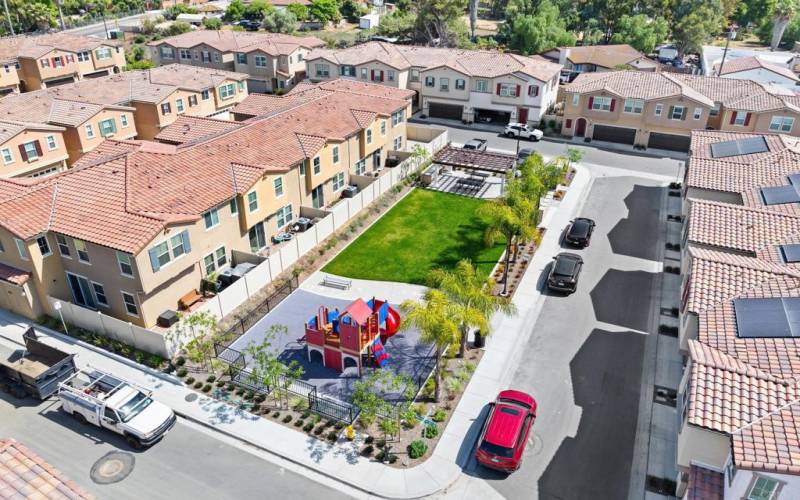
471	303
783	13
430	316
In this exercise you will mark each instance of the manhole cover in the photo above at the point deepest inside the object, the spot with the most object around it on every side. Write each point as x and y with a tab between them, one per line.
535	444
112	467
191	397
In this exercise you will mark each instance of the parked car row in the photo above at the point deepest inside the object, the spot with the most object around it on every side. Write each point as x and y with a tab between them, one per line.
566	268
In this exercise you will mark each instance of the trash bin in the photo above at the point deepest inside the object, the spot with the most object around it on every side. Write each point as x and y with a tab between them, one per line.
478	342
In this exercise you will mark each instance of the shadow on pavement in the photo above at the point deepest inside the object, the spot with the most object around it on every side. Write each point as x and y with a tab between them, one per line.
623	298
466	453
596	463
638	234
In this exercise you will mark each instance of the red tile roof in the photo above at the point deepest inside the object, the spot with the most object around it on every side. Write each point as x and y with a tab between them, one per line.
187	129
749	63
24	474
13	275
237	41
771	443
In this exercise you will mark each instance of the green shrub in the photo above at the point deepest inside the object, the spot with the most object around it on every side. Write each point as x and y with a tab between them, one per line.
306	414
250	395
211	378
332	435
392	458
260	398
287	419
339	426
316	418
389	426
220	383
417	448
329	423
439	415
207	387
189	380
308	427
430	431
239	391
369	440
154	360
198	384
367	450
380	443
298	423
276	415
231	387
182	372
300	404
380	455
319	430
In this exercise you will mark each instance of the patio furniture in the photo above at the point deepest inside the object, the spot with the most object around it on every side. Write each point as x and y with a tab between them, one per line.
189	299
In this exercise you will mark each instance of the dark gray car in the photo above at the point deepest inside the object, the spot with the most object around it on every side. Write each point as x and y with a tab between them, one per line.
564	273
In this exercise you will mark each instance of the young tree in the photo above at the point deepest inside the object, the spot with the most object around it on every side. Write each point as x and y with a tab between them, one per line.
695	22
197	333
235	11
299	10
573	155
784	12
212	23
531	34
325	11
177	28
431	316
641	32
471	303
280	21
399	24
257	10
265	367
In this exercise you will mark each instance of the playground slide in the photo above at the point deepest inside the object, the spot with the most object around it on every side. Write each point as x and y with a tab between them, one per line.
392	322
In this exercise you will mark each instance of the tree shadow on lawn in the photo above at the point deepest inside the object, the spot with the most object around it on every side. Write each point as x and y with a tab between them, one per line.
468	243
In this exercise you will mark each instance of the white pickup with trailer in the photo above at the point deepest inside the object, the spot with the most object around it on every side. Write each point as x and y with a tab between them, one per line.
101	399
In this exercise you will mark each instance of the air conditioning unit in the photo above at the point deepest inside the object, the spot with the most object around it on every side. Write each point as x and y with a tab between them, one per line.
349	191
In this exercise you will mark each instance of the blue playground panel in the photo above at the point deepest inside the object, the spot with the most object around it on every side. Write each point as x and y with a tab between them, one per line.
407	353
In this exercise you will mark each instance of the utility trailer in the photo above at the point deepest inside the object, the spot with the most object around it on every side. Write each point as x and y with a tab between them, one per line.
36	370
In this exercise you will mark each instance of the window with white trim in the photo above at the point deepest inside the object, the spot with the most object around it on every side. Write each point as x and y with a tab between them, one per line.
338	181
51	142
103	53
252	201
167	53
89	130
234	206
83	252
125	265
179	105
763	488
185	53
715	110
414	75
260	61
781	124
123	118
21	248
211	218
461	84
205	95
507	90
216	260
241	58
633	106
601	103
108	127
698	112
227	91
284	215
317	166
8	157
369	136
659	108
482	86
361	167
739	118
63	247
44	246
364	73
335	154
100	294
166	108
257	238
383	126
130	304
322	70
430	81
576	98
444	84
83	56
398	143
278	183
677	112
390	75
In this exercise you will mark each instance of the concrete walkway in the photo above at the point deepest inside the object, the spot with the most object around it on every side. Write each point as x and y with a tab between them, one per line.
441	475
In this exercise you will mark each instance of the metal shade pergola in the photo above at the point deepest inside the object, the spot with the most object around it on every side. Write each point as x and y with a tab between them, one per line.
470	159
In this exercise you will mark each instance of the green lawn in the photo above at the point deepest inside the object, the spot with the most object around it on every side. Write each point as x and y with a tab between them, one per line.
426	230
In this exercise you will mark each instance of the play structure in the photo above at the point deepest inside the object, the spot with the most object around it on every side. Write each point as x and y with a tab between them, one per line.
354	337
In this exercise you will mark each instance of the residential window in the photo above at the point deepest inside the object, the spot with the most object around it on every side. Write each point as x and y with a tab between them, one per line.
83	253
108	127
125	266
166	53
240	86
390	75
338	181
123	118
739	118
576	98
192	100
781	124
601	103
70	58
261	61
209	263
44	246
383	126
335	153
211	218
507	90
715	110
316	165
763	489
2	248
278	182
322	70
31	150
730	471
100	294
257	238
632	106
215	260
45	63
178	244
299	56
252	201
398	143
221	256
482	86
130	304
234	205
63	247
698	112
205	95
678	113
347	70
23	251
659	108
166	108
205	56
444	84
369	136
51	142
185	54
284	215
179	105
361	167
216	56
8	158
302	168
45	172
83	56
430	81
461	84
398	117
241	58
226	91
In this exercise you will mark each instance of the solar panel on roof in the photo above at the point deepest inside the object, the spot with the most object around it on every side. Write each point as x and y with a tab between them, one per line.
780	194
748	146
790	253
767	318
794	179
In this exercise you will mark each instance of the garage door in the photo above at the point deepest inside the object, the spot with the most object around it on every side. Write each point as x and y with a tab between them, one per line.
438	110
669	141
614	134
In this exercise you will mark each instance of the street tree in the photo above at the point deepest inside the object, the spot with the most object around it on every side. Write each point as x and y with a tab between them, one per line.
300	11
695	23
535	33
197	333
280	21
235	11
432	318
325	11
471	301
257	10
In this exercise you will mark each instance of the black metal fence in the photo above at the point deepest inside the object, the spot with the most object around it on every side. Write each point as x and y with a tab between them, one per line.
249	320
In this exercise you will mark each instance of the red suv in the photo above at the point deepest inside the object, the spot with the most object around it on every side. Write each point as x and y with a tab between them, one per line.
505	433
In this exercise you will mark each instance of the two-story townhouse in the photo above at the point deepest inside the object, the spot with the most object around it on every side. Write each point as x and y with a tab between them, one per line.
9	75
107	237
31	149
450	83
272	60
58	58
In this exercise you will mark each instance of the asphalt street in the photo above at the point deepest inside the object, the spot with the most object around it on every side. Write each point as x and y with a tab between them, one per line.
584	359
187	463
99	29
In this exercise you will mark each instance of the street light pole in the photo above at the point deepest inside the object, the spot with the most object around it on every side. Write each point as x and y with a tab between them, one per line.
725	51
8	17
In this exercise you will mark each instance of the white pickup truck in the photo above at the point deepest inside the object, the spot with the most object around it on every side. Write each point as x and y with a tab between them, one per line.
92	396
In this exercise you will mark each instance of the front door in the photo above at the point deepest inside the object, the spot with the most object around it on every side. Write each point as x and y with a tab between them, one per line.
580	127
523	115
81	291
376	159
317	198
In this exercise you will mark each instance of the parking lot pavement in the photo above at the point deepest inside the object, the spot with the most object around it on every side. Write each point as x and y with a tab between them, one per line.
187	463
584	359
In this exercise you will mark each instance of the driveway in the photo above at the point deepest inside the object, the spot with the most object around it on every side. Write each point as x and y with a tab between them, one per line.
584	359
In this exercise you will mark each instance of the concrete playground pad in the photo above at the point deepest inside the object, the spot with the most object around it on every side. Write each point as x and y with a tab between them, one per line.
407	354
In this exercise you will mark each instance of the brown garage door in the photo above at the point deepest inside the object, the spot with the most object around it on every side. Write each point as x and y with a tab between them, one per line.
671	142
614	134
439	110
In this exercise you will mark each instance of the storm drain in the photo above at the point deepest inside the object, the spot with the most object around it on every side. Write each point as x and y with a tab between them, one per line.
665	396
112	467
660	485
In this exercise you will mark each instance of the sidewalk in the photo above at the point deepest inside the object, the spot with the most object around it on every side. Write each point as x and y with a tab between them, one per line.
441	474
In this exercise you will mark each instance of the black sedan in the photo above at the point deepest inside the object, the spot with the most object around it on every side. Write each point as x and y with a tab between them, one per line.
579	232
564	273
